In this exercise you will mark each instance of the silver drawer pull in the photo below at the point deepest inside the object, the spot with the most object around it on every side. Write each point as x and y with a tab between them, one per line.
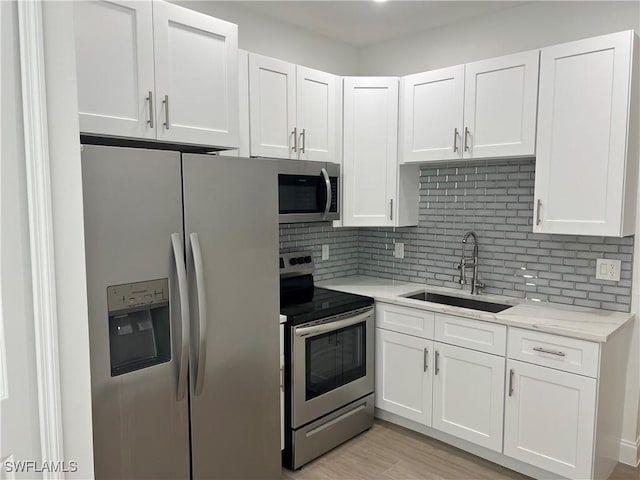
551	352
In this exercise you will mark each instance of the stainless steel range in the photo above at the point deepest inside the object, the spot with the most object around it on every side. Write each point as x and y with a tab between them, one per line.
329	362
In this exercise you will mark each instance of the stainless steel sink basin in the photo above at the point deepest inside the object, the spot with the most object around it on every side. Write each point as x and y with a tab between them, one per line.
459	302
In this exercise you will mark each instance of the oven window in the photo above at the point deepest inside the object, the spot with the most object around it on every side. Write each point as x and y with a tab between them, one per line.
301	194
334	359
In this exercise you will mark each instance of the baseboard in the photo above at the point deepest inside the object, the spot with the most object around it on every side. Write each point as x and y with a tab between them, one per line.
630	452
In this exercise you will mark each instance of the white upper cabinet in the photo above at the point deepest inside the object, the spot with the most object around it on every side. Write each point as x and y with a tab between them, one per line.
317	114
485	109
586	166
272	107
196	65
432	115
114	55
293	111
154	70
370	150
500	102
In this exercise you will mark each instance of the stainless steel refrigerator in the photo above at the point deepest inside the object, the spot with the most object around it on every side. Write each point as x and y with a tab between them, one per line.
182	278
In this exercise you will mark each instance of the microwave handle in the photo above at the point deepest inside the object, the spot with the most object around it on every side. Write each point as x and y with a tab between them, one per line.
327	183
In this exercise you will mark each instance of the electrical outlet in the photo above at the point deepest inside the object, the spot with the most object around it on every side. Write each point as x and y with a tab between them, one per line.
325	251
399	251
608	269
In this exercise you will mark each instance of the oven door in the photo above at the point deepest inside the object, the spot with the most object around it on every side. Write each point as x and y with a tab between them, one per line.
332	364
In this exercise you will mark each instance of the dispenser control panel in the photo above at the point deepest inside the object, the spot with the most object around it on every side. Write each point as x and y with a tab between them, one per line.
139	294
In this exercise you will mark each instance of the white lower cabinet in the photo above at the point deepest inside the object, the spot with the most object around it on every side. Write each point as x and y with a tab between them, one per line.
550	419
468	395
403	375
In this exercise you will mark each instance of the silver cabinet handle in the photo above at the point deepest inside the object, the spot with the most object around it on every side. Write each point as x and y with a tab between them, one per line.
426	354
455	140
391	209
437	366
202	312
150	100
511	382
295	139
178	255
327	184
303	141
167	121
331	326
551	352
466	139
538	206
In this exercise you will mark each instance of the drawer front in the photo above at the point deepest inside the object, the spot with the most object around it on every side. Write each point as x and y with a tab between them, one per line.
554	351
475	334
411	321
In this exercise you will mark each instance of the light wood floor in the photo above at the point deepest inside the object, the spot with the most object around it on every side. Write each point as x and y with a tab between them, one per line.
388	451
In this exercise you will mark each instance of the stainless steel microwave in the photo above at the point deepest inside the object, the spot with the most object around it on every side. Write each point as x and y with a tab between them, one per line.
308	191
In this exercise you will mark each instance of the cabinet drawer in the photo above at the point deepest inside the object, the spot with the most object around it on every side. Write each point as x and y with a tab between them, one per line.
411	321
475	334
554	351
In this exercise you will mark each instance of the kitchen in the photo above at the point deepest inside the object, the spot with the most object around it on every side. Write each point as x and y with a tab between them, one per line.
413	243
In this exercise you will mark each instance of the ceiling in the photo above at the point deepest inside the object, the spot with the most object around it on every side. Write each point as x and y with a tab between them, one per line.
363	23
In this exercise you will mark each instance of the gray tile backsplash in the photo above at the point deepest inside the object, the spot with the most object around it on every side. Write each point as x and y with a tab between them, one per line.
343	247
494	199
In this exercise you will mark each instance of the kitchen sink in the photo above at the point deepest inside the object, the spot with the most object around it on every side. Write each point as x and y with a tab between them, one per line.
459	302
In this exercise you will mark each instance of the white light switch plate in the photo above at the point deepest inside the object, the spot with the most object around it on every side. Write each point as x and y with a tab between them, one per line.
325	251
399	251
608	269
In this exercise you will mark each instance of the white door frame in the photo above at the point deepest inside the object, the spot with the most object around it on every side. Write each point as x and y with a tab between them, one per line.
41	231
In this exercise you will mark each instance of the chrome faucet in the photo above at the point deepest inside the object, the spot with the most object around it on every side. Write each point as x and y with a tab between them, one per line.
464	264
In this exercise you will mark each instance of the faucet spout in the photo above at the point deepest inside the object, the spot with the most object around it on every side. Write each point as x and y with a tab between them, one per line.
464	263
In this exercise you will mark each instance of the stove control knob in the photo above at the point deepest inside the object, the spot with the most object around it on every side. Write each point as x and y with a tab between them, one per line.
293	261
300	260
307	259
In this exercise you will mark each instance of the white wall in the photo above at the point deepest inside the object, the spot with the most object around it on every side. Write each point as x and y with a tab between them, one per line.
523	27
68	229
20	427
281	40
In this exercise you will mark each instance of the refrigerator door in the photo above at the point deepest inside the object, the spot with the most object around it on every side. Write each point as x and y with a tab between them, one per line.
132	206
231	205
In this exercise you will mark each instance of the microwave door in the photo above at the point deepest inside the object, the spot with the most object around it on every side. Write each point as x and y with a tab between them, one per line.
308	192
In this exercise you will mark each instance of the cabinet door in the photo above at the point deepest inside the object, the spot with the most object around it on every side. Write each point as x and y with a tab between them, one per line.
317	115
582	135
196	61
468	395
500	106
550	419
272	107
403	375
114	58
370	150
431	115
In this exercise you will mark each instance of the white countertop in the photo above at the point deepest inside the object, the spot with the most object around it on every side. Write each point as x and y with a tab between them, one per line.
578	322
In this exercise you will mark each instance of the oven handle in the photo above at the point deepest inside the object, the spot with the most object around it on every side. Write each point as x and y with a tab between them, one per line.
327	183
331	326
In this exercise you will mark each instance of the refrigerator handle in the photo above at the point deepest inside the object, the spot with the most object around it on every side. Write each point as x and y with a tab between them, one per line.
202	311
181	271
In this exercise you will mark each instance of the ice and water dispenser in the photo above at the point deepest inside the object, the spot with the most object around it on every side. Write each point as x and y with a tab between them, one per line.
139	329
